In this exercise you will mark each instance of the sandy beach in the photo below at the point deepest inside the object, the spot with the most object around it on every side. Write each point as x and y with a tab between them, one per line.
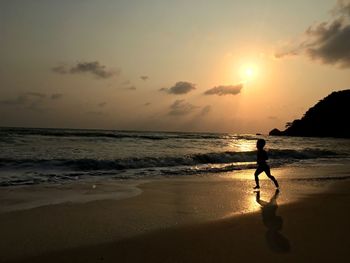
174	131
187	220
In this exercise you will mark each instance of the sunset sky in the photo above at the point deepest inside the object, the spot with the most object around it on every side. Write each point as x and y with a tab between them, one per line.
219	66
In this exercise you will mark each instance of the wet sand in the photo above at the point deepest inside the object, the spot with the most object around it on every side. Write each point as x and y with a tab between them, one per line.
187	220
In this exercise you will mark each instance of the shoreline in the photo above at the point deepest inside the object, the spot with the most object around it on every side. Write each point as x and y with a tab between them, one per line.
174	215
21	198
24	197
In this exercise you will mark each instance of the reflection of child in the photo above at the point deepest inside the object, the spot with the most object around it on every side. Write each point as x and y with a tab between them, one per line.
262	164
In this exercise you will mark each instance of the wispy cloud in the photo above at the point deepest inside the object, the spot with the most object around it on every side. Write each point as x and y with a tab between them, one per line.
93	67
273	118
60	69
205	110
126	82
19	100
144	77
224	90
102	104
56	96
181	107
130	88
94	113
327	41
35	94
181	87
29	100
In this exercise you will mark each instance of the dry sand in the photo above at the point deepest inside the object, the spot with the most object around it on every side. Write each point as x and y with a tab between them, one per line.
185	221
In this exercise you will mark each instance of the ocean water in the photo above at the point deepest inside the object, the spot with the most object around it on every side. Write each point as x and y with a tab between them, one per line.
60	156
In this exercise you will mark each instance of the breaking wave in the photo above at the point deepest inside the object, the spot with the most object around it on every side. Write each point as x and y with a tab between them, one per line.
172	161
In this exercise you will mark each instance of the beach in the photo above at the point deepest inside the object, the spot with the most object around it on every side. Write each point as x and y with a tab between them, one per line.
174	131
197	219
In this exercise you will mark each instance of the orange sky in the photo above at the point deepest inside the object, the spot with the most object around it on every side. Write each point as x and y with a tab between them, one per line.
169	65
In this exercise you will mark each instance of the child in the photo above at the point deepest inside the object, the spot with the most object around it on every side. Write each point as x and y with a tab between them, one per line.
262	165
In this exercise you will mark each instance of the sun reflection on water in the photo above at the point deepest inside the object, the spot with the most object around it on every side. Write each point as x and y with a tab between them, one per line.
242	145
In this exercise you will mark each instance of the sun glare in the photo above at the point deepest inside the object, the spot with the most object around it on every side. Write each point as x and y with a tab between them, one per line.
248	72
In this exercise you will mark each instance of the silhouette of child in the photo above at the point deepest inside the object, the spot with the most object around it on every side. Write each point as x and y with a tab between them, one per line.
262	164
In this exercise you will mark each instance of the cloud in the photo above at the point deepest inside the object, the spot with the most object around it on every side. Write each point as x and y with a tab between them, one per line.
180	107
130	88
147	104
328	41
273	118
29	100
144	77
60	69
225	90
205	110
36	94
93	67
19	100
24	98
181	87
102	104
95	113
126	82
342	8
56	96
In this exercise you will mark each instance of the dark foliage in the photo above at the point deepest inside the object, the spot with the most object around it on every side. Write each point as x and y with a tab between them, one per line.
328	118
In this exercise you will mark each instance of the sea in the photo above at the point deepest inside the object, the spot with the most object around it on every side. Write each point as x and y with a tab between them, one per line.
34	156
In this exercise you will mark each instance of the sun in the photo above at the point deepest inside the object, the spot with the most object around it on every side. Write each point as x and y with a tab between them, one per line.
248	72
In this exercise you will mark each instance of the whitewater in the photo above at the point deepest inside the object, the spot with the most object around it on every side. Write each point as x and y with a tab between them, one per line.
31	156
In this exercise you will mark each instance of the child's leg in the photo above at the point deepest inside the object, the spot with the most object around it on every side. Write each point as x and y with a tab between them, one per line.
268	173
256	175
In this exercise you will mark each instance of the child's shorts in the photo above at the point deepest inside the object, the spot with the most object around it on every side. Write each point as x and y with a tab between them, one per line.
263	168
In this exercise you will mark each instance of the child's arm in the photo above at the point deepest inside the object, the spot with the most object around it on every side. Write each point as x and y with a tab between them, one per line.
266	156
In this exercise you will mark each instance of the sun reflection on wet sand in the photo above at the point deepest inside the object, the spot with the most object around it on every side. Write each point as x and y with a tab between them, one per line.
244	197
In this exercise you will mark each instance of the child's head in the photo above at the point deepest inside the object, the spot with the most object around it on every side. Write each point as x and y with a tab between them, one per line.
260	144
